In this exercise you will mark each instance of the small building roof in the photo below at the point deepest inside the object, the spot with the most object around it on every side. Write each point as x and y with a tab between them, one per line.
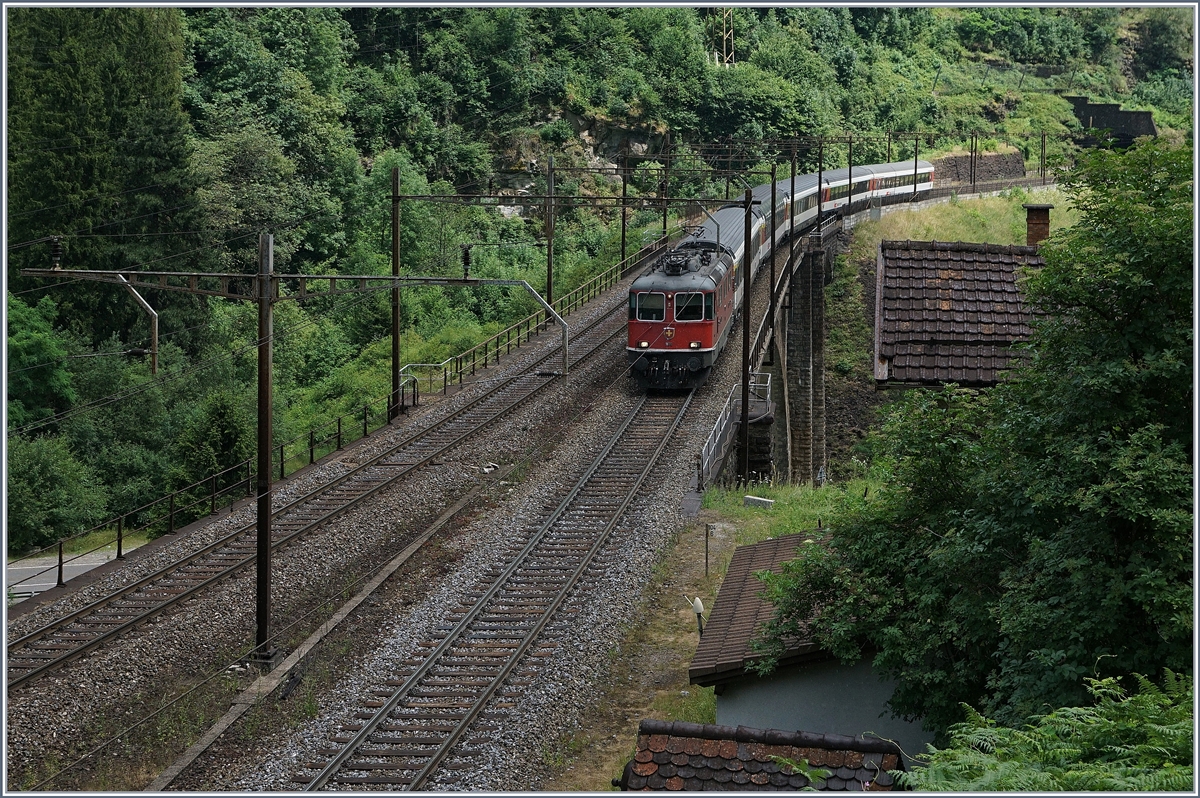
672	755
948	312
724	650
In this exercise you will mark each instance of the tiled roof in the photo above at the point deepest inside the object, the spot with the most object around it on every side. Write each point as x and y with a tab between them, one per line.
724	648
696	757
948	312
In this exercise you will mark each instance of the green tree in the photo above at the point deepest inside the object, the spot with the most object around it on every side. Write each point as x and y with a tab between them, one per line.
51	495
1041	532
1121	742
97	151
39	384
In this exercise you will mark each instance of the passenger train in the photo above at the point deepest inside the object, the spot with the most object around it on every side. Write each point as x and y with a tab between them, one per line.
683	307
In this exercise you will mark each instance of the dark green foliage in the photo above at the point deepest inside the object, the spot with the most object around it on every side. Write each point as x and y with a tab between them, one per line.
169	139
51	495
39	384
1122	742
1042	532
1027	35
97	152
1165	40
217	437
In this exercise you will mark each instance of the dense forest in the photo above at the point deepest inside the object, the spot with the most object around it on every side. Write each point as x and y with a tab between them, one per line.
168	139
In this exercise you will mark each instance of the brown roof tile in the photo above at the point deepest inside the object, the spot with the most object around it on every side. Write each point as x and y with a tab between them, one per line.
724	649
851	763
932	296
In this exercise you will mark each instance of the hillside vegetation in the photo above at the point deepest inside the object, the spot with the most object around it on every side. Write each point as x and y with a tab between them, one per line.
159	138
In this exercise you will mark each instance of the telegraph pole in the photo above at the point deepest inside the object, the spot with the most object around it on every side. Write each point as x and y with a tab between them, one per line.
393	405
550	232
744	427
263	654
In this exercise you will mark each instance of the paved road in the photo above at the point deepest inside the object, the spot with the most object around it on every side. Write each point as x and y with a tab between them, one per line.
41	573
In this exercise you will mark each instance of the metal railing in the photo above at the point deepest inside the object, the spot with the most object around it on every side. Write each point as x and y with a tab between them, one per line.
217	491
716	447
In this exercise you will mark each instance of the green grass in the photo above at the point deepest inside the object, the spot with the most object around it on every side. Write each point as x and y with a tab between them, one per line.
693	705
797	508
992	220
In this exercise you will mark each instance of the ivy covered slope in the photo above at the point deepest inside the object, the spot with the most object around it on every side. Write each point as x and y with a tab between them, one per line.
158	138
1040	532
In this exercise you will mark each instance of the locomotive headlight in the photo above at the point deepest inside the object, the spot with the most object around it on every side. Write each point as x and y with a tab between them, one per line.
694	345
643	344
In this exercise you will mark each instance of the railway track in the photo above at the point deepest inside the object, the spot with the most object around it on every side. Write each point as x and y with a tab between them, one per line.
102	621
426	718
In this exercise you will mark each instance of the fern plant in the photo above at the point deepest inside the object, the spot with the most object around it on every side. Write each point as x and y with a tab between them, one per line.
1122	742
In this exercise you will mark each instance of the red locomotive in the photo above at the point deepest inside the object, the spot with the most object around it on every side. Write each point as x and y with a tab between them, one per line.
681	310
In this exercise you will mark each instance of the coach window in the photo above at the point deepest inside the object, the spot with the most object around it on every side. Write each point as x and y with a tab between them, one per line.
652	307
689	307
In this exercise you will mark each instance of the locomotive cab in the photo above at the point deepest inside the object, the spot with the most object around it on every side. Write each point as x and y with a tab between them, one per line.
673	315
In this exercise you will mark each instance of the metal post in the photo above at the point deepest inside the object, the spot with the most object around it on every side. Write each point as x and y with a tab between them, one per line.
850	160
820	181
707	532
366	410
774	210
153	323
971	161
395	291
339	432
120	537
262	633
666	193
171	516
744	431
312	443
624	213
60	564
916	152
1045	170
549	231
212	494
282	473
889	140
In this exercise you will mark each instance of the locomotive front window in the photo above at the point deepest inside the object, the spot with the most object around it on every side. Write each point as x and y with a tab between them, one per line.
689	307
651	307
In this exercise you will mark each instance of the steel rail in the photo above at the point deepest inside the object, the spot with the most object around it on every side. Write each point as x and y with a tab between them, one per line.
455	636
231	539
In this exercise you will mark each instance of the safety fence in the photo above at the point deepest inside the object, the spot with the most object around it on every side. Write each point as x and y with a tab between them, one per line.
716	447
166	515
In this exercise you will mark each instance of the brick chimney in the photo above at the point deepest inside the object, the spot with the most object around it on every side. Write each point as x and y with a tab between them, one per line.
1037	223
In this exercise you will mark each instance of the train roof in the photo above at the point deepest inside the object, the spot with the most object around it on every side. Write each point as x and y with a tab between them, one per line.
729	223
683	269
807	183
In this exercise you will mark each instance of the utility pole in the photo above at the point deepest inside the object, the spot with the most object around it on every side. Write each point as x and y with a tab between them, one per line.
744	427
263	654
393	405
550	232
727	58
263	288
771	297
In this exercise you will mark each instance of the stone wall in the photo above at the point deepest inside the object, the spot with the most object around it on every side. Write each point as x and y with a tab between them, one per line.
1125	126
996	166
